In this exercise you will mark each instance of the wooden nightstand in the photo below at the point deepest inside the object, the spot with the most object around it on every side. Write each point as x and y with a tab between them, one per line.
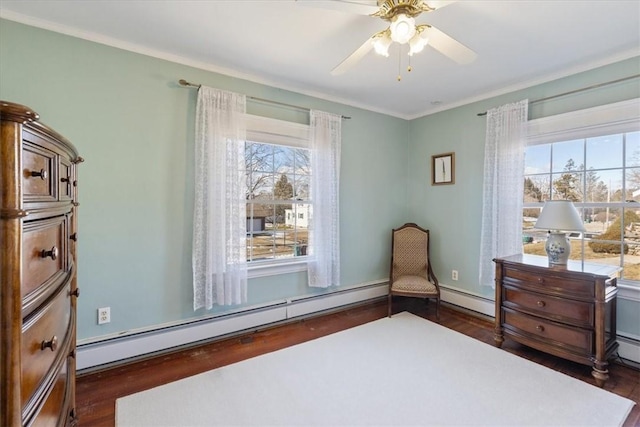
569	312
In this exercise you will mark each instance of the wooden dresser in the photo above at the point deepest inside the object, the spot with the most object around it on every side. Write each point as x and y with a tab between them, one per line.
567	311
38	208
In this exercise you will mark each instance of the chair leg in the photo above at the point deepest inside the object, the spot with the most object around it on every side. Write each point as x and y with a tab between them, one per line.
438	309
389	305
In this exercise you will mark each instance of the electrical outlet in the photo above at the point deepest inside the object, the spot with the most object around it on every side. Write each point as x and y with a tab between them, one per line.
104	315
454	274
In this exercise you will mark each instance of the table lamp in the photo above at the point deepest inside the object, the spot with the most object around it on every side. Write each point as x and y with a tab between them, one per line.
558	217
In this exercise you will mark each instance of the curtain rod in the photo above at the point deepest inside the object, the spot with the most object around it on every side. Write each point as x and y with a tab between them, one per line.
185	83
578	90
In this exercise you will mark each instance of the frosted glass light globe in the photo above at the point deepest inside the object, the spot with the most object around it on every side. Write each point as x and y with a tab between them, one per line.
403	28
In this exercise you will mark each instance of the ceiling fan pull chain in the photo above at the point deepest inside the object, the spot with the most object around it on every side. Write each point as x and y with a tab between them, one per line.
409	68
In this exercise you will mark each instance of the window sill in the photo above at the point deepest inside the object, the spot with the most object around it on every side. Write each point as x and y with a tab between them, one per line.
277	268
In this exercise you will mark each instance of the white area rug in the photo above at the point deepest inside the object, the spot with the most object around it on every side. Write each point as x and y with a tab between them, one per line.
399	371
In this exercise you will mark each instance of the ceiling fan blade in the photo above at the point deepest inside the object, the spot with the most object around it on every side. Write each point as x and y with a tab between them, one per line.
437	4
363	7
450	47
353	58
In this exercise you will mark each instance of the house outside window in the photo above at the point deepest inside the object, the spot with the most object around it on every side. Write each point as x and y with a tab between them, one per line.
601	175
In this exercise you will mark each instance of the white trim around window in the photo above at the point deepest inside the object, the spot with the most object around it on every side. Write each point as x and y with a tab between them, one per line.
274	268
607	119
278	132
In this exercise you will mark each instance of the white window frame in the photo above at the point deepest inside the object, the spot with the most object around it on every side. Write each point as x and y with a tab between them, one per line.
619	117
278	132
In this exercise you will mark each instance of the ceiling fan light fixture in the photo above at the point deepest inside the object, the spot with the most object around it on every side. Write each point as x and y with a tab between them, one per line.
381	43
403	28
418	43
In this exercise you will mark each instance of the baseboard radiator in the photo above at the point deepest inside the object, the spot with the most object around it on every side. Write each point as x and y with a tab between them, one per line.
113	350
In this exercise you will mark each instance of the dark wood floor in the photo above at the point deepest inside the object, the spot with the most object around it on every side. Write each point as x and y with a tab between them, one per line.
97	392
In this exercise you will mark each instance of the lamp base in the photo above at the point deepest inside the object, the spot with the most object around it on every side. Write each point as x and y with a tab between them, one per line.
558	248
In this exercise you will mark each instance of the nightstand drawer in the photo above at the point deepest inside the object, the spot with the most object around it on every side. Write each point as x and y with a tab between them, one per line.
580	339
574	312
546	281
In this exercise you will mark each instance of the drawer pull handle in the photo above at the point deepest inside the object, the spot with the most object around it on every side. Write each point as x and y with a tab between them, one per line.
53	253
74	237
76	292
52	344
541	303
41	173
540	328
540	280
67	180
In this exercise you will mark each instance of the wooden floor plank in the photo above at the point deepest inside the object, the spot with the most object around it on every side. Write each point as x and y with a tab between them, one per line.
96	392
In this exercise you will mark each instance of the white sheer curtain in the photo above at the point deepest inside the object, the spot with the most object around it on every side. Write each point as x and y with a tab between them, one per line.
324	229
501	233
219	224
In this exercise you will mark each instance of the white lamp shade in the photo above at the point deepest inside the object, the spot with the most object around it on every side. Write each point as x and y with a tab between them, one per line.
559	215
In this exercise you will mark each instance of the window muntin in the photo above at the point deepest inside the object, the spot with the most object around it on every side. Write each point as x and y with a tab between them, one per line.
278	206
602	176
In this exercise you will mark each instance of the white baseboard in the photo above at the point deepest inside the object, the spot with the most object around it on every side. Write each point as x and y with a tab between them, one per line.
629	348
468	301
117	348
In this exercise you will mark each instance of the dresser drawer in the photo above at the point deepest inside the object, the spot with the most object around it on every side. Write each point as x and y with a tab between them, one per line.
574	312
543	281
581	340
39	167
46	339
44	253
66	180
51	411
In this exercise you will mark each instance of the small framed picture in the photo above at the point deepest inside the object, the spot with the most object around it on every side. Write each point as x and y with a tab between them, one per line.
443	169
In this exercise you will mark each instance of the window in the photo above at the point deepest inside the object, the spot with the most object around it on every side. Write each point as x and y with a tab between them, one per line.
277	173
600	173
277	194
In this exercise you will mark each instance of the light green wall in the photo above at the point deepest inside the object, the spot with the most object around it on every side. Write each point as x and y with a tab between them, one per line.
454	212
133	124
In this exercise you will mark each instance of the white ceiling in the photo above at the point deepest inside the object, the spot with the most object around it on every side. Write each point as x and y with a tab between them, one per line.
294	45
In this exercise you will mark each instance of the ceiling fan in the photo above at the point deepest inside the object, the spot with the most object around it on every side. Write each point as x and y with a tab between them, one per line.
402	29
